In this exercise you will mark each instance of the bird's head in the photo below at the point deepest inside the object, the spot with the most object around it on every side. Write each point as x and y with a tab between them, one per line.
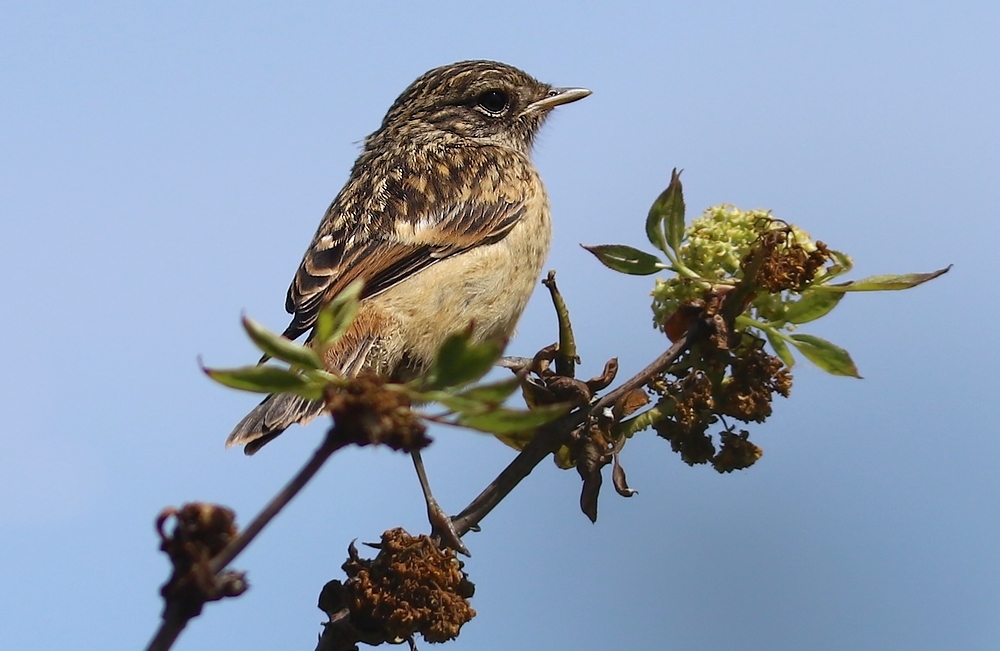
483	101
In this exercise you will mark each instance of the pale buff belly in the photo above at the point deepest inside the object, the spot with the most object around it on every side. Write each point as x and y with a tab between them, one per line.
487	287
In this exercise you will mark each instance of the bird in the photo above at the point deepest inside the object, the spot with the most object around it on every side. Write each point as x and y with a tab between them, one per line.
444	218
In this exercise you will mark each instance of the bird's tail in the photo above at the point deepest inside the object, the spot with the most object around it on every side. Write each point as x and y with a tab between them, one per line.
270	418
279	411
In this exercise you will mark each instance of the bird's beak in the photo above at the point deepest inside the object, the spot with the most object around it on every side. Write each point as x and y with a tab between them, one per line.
557	97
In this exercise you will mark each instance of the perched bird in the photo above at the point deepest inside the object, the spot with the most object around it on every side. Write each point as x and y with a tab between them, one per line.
445	219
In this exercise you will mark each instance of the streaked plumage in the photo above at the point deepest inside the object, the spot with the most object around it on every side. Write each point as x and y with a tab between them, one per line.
444	217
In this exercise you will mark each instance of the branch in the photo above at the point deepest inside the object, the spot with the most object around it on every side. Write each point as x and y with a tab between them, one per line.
549	438
277	503
171	626
176	614
566	358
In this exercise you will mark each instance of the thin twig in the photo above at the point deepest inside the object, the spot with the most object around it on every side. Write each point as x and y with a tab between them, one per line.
566	356
170	627
173	621
549	438
643	377
246	536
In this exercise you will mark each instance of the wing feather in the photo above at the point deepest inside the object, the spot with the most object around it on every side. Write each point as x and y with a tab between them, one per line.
391	253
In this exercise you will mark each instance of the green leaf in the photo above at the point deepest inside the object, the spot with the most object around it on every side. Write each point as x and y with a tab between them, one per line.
453	402
812	306
274	345
842	264
509	421
665	222
625	259
628	428
334	319
259	379
494	393
459	361
518	440
887	282
780	347
829	357
477	400
655	232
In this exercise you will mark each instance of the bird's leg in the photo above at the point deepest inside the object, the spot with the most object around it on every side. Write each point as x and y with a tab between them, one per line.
441	524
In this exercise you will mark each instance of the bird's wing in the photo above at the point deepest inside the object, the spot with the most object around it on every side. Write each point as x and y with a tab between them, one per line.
388	251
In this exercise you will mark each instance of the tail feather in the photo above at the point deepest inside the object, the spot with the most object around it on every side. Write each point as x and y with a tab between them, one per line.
270	418
277	412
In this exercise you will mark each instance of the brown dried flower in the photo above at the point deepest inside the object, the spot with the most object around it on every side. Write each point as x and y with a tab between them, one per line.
693	412
367	412
412	586
737	452
200	532
754	377
786	264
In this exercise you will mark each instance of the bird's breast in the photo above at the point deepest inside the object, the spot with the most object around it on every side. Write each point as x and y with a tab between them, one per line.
487	286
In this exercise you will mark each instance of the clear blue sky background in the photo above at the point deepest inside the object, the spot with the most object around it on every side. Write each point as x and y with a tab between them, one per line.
164	165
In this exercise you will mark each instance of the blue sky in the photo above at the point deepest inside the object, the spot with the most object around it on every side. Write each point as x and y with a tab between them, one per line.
163	167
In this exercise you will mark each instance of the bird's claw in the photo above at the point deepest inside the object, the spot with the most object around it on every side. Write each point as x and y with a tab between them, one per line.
443	527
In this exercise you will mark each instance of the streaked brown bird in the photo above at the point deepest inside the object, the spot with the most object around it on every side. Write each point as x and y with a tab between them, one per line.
445	219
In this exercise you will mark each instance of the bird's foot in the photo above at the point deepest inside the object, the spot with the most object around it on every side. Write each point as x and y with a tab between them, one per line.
443	527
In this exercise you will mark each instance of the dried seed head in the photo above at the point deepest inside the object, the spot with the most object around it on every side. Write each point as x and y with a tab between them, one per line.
411	587
201	531
366	412
790	263
754	377
737	452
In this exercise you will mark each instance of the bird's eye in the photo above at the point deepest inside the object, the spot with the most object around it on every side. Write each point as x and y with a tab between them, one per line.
493	101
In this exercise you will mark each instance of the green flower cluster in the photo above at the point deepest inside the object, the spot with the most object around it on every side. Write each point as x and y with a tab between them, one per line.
738	279
714	247
717	242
